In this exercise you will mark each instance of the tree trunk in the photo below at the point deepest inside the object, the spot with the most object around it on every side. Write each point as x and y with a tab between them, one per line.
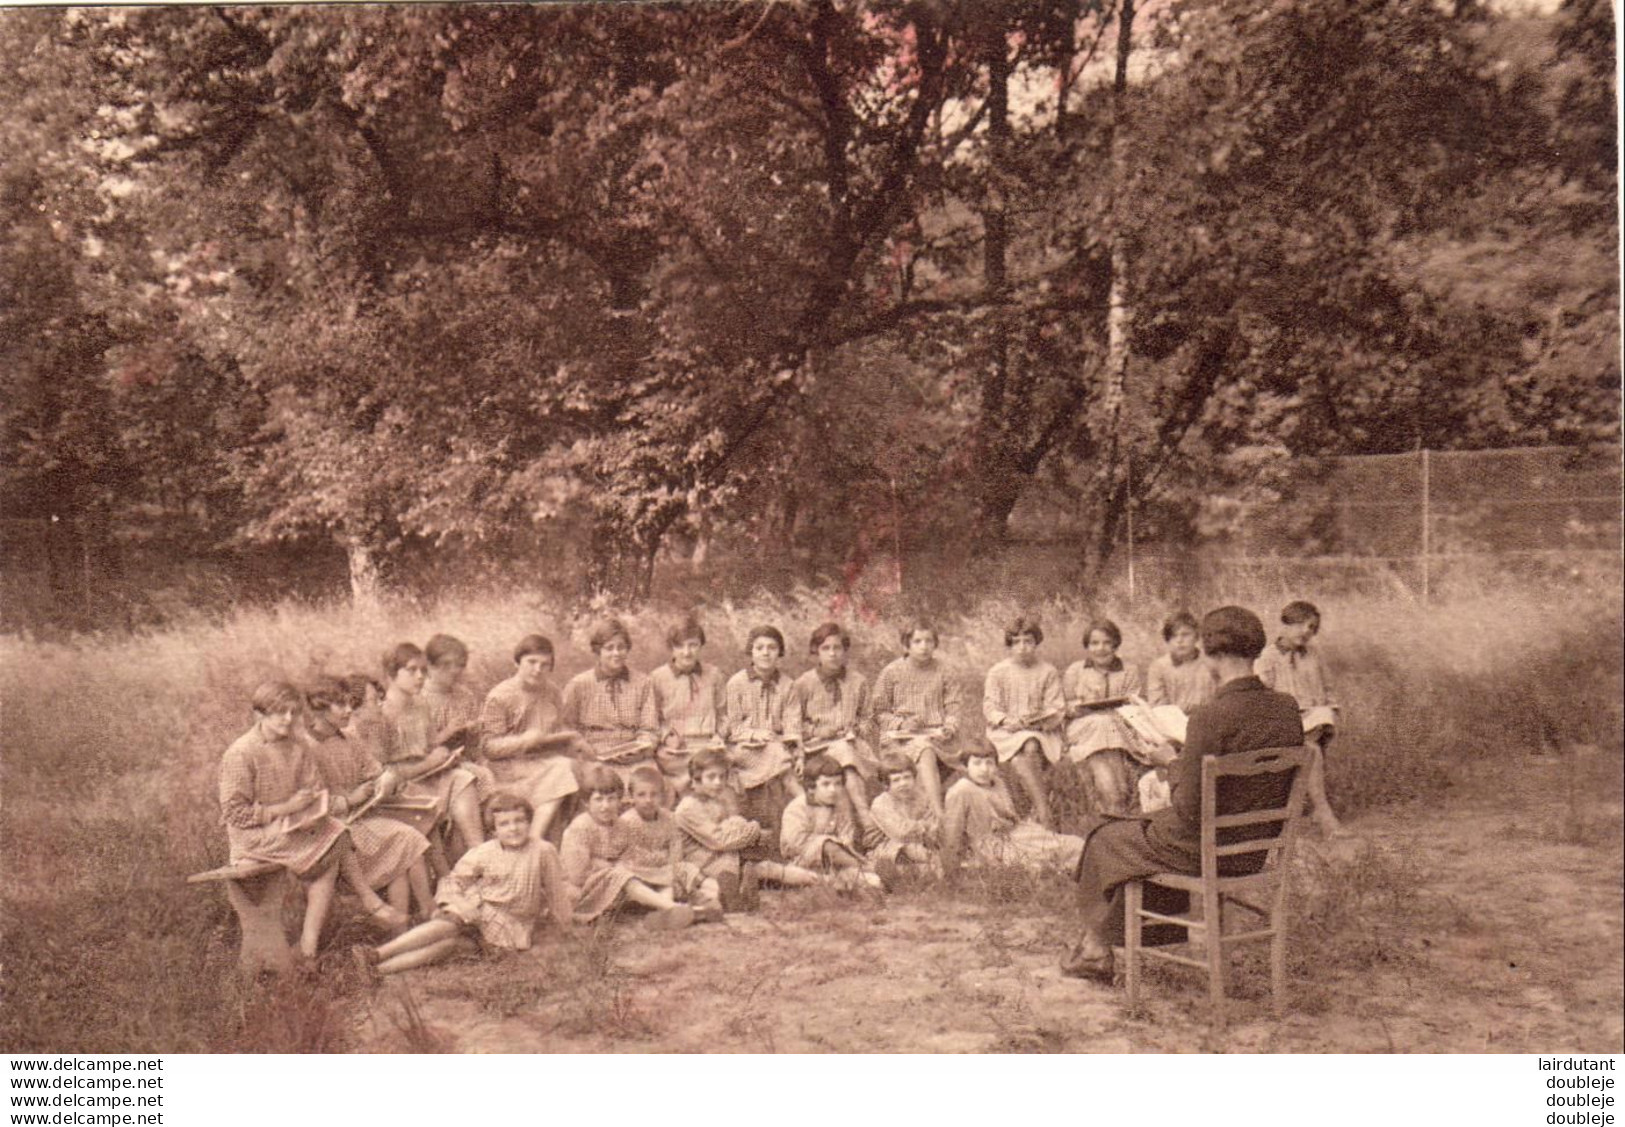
1119	321
999	483
365	584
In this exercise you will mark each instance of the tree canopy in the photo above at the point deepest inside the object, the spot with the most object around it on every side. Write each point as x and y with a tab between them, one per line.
462	280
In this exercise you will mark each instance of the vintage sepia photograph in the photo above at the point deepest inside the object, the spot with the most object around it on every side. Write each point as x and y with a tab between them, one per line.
812	526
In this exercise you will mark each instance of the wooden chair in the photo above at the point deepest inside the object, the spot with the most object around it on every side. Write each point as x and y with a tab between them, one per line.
256	890
1263	858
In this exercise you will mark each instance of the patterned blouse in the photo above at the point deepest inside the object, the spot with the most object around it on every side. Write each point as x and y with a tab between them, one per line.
908	698
761	708
1298	673
831	707
1184	684
689	703
611	709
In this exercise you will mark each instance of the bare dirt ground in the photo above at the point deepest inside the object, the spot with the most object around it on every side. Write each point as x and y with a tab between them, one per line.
1493	924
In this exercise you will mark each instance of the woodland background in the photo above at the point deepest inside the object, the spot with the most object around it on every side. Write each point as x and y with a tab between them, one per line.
295	300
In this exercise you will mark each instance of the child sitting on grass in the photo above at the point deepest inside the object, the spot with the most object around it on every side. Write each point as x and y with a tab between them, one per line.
916	703
980	826
688	702
389	852
903	813
275	808
1096	736
498	892
1289	666
1024	709
654	848
719	838
764	734
595	880
834	705
818	834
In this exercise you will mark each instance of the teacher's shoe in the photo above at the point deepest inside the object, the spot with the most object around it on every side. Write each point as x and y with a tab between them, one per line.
1088	960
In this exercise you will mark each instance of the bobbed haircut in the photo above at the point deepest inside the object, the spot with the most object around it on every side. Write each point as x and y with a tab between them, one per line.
358	684
1232	632
894	763
1103	626
1298	611
1179	620
827	631
324	692
606	630
502	802
707	759
918	626
533	644
273	696
688	628
648	776
819	767
598	779
764	632
444	646
1023	624
400	657
981	750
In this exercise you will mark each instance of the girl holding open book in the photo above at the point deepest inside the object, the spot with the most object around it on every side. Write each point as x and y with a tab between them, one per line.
430	772
390	852
1024	707
276	809
1096	735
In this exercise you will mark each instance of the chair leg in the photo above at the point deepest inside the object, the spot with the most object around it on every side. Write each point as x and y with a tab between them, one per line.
1131	945
1278	963
1213	918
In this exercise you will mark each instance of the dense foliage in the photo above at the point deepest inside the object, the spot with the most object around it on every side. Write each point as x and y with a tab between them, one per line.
468	282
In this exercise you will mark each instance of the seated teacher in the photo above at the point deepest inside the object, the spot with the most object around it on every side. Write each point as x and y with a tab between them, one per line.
1242	716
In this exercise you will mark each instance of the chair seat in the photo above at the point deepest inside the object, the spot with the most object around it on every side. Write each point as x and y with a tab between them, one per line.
1186	882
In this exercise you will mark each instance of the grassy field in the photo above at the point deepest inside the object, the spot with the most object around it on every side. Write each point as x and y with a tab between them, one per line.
111	745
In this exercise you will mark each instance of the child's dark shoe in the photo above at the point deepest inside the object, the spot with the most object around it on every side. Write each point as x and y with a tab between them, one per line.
1084	961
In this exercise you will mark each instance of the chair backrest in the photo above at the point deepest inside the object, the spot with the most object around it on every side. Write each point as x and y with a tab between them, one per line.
1251	801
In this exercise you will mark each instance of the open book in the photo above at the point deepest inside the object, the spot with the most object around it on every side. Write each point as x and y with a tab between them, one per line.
921	734
627	751
1319	715
451	761
1160	725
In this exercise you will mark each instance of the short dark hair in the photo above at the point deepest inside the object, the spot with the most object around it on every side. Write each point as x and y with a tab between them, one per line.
983	750
827	631
400	656
598	779
688	628
358	684
532	644
707	759
819	767
1023	624
1104	626
1232	632
444	645
1179	620
645	773
764	632
894	763
1299	611
324	692
609	628
501	803
918	626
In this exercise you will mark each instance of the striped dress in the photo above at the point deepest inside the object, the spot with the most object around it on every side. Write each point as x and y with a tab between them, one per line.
256	773
1101	730
1183	684
385	847
911	822
505	893
834	717
406	735
594	879
611	710
714	832
459	710
917	709
1015	690
511	709
654	852
689	708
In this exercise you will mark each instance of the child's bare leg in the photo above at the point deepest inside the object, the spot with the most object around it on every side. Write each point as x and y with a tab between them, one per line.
318	902
640	893
399	895
465	815
790	876
1105	772
837	858
1027	771
858	794
925	772
426	956
543	818
707	897
426	934
418	877
1320	808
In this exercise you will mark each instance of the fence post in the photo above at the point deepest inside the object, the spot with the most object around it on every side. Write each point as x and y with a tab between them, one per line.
1427	523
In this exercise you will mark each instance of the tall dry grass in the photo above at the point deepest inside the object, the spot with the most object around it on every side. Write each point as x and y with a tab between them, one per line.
111	746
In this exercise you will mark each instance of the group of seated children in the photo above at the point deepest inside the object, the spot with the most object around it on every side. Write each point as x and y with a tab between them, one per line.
820	779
